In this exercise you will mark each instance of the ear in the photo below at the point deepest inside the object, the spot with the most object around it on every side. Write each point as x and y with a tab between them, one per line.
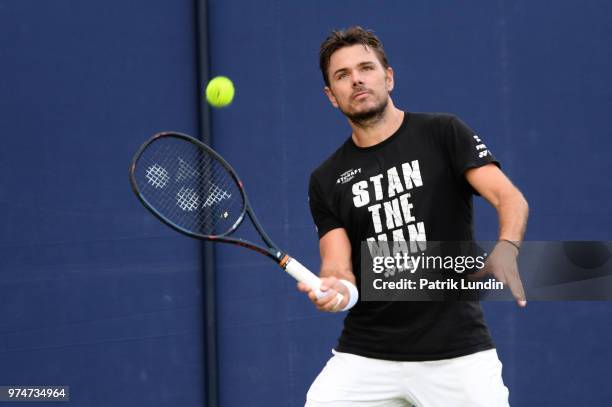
330	96
389	79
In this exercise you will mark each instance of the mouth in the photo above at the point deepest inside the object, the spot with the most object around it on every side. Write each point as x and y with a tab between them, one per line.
360	95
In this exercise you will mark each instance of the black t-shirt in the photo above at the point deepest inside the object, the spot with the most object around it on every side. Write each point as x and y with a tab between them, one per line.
422	165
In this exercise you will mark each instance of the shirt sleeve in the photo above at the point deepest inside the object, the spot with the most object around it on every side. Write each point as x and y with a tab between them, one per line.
467	150
322	215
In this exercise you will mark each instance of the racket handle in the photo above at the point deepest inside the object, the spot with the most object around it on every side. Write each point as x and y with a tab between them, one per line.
301	273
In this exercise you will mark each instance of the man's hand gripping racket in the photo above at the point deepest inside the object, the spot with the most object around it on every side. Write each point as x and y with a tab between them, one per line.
192	189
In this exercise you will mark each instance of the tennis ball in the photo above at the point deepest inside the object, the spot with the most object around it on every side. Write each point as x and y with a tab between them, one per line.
220	91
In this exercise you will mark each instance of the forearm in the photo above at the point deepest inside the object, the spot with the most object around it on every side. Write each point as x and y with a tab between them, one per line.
340	271
513	212
335	250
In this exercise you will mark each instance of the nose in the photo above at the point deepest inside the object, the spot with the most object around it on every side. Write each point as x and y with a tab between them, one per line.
357	80
357	83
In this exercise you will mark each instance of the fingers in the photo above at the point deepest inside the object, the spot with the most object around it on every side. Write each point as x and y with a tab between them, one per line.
509	275
337	295
331	299
329	302
312	294
339	303
332	302
516	288
502	265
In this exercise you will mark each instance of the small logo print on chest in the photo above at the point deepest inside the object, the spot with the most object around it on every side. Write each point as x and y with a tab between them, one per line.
348	175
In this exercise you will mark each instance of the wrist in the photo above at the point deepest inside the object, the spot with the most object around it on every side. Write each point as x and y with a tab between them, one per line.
353	294
513	243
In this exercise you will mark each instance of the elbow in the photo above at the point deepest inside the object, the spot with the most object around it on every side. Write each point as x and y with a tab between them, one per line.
513	201
524	205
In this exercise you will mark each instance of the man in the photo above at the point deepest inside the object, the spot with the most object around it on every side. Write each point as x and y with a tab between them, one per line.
404	353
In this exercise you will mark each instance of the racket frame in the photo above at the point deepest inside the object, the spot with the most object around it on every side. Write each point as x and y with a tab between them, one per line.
271	251
286	262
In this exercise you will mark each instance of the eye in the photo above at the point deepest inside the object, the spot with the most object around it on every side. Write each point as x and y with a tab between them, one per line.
342	75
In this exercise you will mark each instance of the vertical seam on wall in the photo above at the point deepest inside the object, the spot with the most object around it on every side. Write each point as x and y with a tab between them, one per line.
207	249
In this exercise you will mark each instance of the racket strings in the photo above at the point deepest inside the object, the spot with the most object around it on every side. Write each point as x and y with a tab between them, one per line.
189	186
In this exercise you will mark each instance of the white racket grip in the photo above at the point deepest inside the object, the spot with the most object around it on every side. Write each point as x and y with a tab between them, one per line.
301	273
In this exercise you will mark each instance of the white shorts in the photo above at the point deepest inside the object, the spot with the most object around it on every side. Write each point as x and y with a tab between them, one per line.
355	381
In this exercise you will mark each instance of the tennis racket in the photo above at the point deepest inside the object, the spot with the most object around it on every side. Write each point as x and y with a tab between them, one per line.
191	188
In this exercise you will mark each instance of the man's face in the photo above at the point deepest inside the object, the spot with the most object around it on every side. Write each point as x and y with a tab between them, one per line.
358	84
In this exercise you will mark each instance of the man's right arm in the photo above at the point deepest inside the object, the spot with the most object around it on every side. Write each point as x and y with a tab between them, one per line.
336	265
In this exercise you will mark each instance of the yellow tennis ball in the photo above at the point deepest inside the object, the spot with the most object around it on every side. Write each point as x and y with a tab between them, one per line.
220	91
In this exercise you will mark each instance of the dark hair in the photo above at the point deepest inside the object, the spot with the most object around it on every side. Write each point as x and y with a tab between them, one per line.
346	38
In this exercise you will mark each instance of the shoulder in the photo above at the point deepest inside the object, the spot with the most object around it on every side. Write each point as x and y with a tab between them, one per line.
440	120
330	166
441	127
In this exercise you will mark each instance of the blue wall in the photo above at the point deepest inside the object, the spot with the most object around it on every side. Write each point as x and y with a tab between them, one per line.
530	77
96	294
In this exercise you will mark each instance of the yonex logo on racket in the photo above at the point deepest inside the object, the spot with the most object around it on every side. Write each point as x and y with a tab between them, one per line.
216	195
187	199
157	176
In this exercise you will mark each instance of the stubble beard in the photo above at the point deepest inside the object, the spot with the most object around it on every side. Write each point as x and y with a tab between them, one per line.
370	117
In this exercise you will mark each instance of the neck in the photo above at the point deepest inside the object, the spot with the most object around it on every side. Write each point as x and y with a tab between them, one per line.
377	129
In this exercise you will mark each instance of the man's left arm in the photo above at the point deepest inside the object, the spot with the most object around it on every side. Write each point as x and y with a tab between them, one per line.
512	210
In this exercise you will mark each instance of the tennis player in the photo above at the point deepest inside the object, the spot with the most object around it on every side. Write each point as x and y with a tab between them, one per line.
430	354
